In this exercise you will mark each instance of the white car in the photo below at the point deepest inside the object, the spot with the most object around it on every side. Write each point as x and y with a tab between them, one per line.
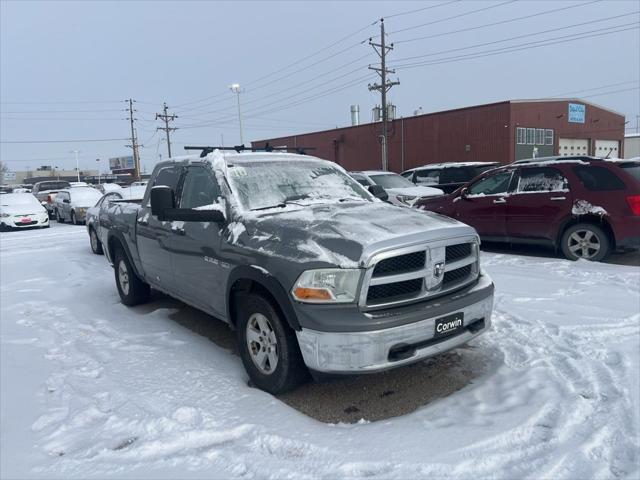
109	187
400	190
22	210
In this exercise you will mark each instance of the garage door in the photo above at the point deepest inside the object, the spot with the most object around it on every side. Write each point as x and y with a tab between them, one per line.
573	146
608	148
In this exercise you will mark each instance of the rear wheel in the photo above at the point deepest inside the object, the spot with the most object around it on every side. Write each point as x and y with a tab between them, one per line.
587	241
268	347
73	218
131	289
58	217
96	246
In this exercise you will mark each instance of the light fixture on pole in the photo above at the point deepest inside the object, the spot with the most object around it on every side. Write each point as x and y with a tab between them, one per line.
98	160
235	88
77	165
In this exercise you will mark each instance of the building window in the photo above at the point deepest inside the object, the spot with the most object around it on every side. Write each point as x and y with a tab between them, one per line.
521	136
540	136
548	137
531	136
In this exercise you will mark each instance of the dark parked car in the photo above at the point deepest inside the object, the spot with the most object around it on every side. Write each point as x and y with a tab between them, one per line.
447	176
585	208
311	270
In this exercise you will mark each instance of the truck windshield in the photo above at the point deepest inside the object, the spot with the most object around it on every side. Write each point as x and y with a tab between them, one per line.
262	185
391	180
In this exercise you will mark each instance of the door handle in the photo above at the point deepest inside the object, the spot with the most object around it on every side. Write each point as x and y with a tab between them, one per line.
557	199
178	231
500	200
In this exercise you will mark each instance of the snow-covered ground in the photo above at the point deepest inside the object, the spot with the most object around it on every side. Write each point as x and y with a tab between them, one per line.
92	388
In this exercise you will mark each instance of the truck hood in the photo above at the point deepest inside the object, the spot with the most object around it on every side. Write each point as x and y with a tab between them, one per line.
343	234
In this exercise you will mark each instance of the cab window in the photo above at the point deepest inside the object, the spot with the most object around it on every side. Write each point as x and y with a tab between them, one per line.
199	189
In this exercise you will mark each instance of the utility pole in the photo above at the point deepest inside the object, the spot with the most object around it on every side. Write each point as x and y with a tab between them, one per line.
77	164
134	141
166	118
382	49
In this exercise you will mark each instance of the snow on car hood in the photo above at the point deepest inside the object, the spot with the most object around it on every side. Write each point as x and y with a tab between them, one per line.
30	209
416	191
341	234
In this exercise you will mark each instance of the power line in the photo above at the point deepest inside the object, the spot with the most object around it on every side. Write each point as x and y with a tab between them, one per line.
408	12
501	22
64	111
67	141
524	36
513	48
611	92
594	88
464	14
61	102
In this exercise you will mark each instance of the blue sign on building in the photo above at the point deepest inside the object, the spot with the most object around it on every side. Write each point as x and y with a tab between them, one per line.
577	113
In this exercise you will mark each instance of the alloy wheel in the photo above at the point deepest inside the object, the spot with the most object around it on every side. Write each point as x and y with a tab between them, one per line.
262	343
584	244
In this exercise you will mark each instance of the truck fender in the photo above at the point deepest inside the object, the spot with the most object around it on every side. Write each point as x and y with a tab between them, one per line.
267	282
116	239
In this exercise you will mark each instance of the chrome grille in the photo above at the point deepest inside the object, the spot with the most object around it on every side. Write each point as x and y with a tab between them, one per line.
455	252
395	291
400	264
414	273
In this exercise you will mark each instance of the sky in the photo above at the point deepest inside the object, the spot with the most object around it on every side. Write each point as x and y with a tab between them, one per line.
66	68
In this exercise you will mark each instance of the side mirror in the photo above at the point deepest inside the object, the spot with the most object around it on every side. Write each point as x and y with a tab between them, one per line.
162	199
66	200
378	192
464	193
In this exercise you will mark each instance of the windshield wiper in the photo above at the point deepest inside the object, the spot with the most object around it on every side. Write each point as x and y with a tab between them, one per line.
285	202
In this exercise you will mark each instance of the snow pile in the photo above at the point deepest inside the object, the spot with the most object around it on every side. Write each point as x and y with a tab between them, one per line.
91	388
582	207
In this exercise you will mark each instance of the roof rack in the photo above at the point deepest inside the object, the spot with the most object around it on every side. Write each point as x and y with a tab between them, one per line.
204	151
584	158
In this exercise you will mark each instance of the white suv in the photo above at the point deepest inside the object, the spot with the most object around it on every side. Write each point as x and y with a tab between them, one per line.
400	190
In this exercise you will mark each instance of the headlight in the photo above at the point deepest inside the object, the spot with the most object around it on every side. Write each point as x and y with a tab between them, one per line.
406	198
327	285
81	210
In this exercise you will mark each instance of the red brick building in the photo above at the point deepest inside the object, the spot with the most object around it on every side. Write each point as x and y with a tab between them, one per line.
503	132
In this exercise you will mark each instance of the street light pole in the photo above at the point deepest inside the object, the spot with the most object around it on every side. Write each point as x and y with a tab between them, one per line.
77	165
235	88
98	160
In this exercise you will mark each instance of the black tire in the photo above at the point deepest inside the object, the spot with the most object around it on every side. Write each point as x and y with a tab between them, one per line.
585	240
135	291
290	370
94	241
73	218
58	217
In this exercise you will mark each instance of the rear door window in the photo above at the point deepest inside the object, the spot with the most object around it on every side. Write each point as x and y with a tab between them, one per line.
542	179
632	168
428	177
598	179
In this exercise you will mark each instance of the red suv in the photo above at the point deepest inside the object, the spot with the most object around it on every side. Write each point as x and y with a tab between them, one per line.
584	207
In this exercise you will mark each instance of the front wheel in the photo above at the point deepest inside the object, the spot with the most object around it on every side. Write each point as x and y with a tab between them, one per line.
73	218
268	347
58	217
587	241
96	246
131	289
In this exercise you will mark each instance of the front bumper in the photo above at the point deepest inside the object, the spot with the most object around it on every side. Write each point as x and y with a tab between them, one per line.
40	220
377	350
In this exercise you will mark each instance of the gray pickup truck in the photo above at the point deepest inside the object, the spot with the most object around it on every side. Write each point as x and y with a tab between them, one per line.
312	271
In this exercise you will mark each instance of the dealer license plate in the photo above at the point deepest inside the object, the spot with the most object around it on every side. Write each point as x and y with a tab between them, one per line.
25	220
449	325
